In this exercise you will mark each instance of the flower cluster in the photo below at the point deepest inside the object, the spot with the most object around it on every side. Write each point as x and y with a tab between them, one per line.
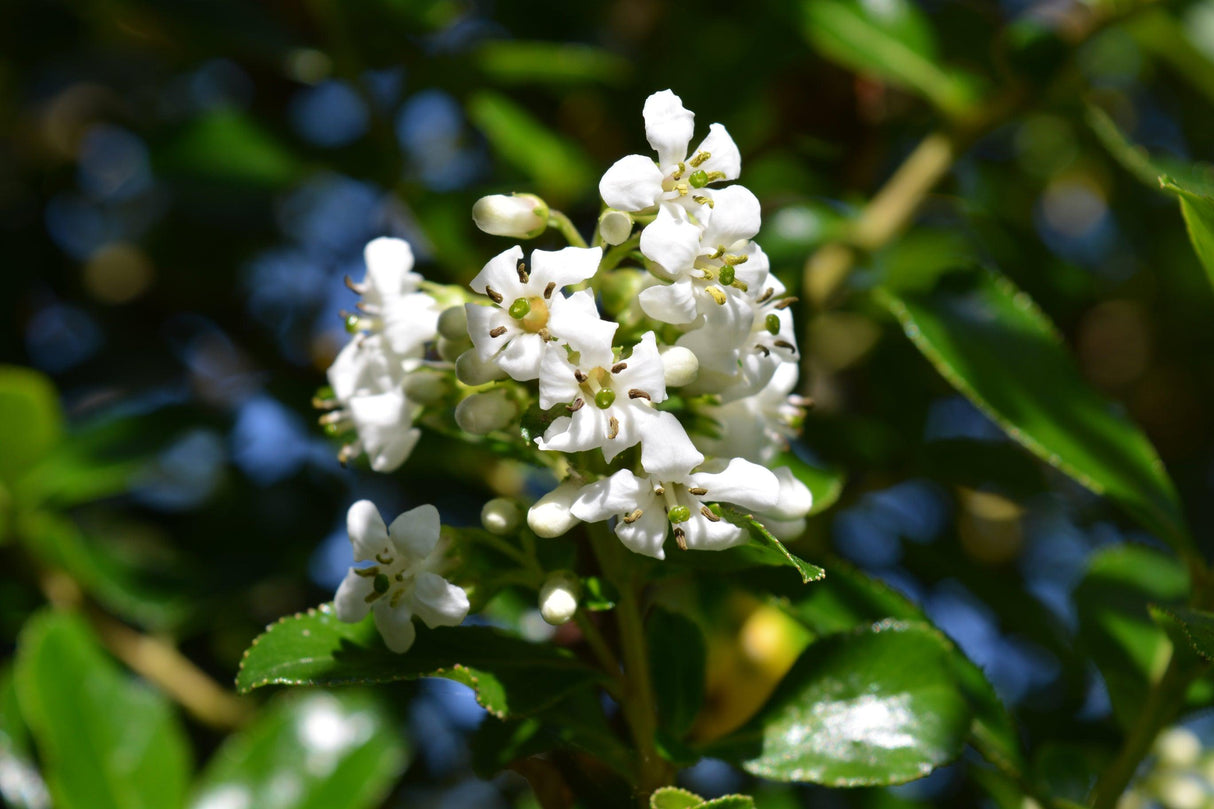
668	359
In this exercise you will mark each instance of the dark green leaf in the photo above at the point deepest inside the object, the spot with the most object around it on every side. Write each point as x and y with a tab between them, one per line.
554	164
880	705
990	341
105	740
31	422
337	750
227	146
1196	627
766	549
559	63
510	676
1197	207
677	656
892	39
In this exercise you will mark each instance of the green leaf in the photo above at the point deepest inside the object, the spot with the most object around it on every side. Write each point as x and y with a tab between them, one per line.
766	549
1115	627
31	421
990	341
674	798
892	39
337	750
1196	627
557	166
826	485
22	786
875	706
730	802
558	63
226	146
1197	208
677	656
511	677
105	740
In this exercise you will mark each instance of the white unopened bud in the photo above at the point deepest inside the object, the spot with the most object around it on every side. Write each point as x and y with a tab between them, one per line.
559	597
615	226
453	323
426	386
482	413
450	350
680	366
1180	791
471	370
500	516
520	216
1178	747
550	516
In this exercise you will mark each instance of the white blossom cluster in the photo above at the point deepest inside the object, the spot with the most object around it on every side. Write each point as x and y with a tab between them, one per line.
702	318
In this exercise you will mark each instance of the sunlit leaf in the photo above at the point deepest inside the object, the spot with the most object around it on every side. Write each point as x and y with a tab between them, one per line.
105	740
1197	627
510	676
31	422
337	751
990	341
514	62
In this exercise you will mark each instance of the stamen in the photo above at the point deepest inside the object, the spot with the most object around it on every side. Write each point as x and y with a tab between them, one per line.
548	289
678	173
699	158
521	269
383	558
633	516
680	537
373	596
738	283
613	428
366	572
396	598
763	298
497	332
579	376
619	366
577	405
703	200
697	490
637	393
787	302
353	287
707	512
717	294
493	294
784	344
766	351
734	259
659	491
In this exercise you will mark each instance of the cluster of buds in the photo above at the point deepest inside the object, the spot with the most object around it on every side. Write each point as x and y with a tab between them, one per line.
668	360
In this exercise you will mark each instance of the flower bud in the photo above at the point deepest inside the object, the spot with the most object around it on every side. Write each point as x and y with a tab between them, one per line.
550	516
559	597
500	516
482	413
520	216
426	386
453	323
450	350
615	226
680	366
470	370
1178	747
1180	791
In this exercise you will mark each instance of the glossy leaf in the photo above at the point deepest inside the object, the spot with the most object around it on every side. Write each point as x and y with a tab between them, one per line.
676	798
1197	207
559	63
677	657
879	705
990	341
554	164
338	751
1196	627
764	548
106	741
891	39
510	676
31	422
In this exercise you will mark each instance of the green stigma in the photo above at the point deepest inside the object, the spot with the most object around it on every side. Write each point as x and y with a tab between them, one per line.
604	398
772	322
352	323
679	514
380	583
520	308
698	179
727	275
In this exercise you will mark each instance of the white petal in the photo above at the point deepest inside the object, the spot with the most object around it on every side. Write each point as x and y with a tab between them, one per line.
481	321
755	272
576	321
551	515
618	494
736	215
743	483
501	273
350	602
415	533
387	455
702	534
409	322
364	366
633	183
585	429
666	451
383	423
438	602
389	262
795	499
395	625
784	530
523	355
570	265
668	127
368	533
671	241
723	153
628	418
557	383
670	303
644	370
646	535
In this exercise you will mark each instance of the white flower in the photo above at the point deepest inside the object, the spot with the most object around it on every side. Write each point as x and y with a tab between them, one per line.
529	308
636	183
786	519
391	304
367	380
521	216
404	580
756	427
672	498
610	404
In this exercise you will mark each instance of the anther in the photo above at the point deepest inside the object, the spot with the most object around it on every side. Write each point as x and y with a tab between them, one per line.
660	491
521	269
579	376
707	512
619	366
577	405
763	298
697	490
784	344
717	294
734	259
680	537
738	283
699	158
366	572
613	428
633	516
373	596
637	393
703	200
787	302
383	558
766	351
548	289
497	332
493	294
353	287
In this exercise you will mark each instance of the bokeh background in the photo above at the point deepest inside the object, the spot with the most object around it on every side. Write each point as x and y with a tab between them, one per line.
184	185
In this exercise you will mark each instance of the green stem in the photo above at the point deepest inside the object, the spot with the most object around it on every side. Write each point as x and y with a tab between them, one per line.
613	257
602	651
561	223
